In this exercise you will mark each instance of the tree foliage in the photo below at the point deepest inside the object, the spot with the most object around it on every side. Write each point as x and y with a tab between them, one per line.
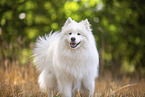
118	26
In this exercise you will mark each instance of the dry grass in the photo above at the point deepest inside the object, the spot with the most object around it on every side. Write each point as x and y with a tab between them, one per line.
17	81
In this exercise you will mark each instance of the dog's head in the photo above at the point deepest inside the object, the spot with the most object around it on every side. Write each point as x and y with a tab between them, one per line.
76	34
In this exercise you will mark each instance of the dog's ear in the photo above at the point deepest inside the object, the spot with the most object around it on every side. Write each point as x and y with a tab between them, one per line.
69	20
86	24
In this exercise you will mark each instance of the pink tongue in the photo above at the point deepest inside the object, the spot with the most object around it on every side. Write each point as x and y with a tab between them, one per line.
73	45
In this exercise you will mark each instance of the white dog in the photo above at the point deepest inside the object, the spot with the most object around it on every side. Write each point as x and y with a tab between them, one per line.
68	60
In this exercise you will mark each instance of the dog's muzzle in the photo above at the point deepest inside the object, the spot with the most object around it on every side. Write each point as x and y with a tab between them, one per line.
73	43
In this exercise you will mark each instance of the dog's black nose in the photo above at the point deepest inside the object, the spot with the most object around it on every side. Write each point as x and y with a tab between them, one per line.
73	39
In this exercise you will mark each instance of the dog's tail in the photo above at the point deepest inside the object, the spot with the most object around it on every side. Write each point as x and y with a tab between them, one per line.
41	56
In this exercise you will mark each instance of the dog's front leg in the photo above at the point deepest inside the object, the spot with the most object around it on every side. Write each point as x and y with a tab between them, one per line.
89	85
66	87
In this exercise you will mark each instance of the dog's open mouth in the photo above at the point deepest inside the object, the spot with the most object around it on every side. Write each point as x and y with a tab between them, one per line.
74	45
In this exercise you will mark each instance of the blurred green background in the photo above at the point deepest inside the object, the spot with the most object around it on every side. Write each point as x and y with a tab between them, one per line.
118	26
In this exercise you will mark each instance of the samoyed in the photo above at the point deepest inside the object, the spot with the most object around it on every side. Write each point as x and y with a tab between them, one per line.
67	60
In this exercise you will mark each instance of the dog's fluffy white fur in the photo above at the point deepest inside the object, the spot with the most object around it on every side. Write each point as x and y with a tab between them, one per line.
67	60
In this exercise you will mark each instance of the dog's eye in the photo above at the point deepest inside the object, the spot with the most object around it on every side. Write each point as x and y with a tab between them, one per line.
70	33
78	34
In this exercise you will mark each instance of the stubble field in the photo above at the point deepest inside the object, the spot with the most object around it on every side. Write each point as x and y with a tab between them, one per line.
21	81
